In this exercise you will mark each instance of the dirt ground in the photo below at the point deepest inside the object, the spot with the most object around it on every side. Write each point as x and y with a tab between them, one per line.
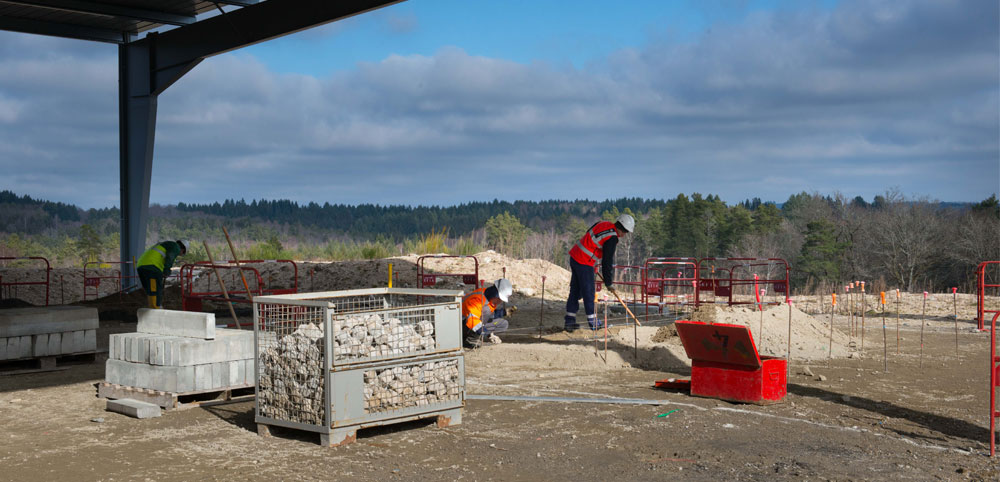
924	419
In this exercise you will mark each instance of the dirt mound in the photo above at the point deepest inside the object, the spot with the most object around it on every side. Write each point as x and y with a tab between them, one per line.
664	334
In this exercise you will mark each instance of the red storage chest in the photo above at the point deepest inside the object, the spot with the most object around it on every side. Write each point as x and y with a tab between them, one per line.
725	364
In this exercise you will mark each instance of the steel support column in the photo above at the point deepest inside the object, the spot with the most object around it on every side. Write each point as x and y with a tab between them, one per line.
136	130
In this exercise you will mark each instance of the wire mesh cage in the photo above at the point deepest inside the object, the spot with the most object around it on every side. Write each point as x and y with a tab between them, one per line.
334	358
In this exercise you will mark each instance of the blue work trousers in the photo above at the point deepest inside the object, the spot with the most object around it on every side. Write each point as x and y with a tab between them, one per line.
581	283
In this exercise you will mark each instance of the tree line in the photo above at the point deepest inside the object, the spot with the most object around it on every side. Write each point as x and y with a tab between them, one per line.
912	244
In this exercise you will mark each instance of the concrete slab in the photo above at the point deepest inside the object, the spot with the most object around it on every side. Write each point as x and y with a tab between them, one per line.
176	323
46	319
55	342
134	408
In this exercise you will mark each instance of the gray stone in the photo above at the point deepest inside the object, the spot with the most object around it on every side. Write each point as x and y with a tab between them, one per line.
176	323
48	319
134	408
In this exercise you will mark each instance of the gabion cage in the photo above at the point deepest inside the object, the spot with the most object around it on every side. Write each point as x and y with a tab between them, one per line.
333	362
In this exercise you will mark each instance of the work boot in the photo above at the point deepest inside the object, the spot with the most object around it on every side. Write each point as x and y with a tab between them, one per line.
571	328
596	326
473	341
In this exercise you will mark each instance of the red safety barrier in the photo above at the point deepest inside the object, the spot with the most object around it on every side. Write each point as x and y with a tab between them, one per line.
748	277
994	381
670	280
8	287
982	284
193	297
429	279
92	282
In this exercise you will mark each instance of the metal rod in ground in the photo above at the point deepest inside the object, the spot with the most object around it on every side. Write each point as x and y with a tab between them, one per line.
833	308
225	293
923	321
541	313
897	321
885	344
605	332
789	356
954	295
863	307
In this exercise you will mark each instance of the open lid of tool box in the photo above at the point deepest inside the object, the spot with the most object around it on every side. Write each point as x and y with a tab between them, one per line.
719	342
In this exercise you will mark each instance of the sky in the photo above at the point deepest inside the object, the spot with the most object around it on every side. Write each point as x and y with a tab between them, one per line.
449	101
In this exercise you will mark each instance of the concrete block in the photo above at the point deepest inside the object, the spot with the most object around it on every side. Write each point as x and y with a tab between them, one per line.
48	319
78	341
233	370
55	343
3	348
141	375
220	375
134	408
202	377
176	323
26	346
40	345
89	340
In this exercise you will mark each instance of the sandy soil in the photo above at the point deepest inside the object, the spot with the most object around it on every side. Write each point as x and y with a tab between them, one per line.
925	418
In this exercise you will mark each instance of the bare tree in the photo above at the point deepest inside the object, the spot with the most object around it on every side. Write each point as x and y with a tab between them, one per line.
905	236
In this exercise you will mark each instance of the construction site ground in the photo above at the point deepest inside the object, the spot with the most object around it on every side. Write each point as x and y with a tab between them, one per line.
848	420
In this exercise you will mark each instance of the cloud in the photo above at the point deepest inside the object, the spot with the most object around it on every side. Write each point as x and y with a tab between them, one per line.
871	94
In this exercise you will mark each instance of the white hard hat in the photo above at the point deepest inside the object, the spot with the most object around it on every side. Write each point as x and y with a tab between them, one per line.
183	243
504	289
627	222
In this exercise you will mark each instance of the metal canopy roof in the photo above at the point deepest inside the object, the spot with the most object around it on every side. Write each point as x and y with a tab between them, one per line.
114	21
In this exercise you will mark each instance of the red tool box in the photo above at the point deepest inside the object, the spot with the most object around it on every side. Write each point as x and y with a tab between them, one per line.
725	364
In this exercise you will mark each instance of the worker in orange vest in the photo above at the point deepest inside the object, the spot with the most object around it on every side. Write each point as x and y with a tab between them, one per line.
482	315
597	244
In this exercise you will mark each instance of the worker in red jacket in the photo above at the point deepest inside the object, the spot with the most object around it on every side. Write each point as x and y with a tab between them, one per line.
597	244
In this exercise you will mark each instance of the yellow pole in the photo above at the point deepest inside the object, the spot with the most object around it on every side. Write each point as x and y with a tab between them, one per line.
390	275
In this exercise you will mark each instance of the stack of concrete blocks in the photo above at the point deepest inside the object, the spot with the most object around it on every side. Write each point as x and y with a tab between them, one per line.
47	331
181	352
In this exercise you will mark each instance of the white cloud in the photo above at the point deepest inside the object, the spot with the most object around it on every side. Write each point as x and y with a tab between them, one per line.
781	102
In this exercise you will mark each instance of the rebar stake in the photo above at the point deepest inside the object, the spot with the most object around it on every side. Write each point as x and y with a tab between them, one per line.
923	321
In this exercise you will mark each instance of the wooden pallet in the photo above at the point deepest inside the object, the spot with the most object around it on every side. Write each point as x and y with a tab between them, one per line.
176	401
349	434
45	363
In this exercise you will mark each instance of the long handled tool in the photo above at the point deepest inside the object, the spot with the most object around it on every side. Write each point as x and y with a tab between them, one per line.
225	293
864	306
236	259
636	320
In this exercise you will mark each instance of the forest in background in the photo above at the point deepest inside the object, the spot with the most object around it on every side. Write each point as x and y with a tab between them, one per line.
913	244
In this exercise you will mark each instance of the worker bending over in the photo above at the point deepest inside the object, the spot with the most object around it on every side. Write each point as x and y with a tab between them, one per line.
482	315
597	244
155	265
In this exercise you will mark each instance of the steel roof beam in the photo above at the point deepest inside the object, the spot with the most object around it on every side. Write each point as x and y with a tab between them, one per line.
239	3
79	32
176	49
110	10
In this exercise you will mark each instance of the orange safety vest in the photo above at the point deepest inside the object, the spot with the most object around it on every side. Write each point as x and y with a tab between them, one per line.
472	308
590	247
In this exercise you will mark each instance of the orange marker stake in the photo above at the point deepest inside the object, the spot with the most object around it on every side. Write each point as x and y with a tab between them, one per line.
885	344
